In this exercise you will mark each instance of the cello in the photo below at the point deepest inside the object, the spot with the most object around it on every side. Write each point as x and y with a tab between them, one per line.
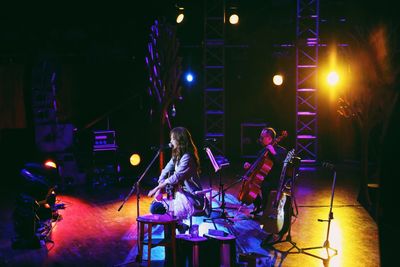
252	179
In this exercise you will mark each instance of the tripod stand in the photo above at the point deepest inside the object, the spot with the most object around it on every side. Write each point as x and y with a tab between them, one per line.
326	244
221	192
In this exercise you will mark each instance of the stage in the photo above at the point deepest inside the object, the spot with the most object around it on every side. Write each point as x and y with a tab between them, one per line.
91	231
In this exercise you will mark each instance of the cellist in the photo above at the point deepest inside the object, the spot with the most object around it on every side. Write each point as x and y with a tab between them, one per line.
277	154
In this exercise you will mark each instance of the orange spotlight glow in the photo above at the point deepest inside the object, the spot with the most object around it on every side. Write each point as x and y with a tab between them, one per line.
135	159
51	164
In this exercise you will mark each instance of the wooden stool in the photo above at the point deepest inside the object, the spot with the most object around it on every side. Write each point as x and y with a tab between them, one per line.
169	224
191	250
227	250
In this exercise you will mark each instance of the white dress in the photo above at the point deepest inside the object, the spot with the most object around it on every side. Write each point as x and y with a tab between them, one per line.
180	207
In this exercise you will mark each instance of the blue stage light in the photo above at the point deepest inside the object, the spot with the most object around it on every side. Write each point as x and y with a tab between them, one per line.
189	77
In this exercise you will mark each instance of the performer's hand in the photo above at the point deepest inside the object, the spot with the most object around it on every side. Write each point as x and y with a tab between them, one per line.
246	165
152	191
158	196
271	149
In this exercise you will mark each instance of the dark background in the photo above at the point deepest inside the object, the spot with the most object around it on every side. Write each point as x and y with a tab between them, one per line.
102	80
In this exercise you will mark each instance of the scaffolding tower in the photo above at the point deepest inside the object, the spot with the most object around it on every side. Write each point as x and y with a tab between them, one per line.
214	73
307	42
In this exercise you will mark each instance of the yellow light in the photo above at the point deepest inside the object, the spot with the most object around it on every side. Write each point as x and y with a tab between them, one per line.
180	18
50	164
134	159
181	15
234	19
332	78
277	79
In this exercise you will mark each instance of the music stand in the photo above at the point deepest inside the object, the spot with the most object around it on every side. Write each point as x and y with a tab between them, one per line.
221	191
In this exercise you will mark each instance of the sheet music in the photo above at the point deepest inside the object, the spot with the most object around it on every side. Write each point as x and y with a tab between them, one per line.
212	159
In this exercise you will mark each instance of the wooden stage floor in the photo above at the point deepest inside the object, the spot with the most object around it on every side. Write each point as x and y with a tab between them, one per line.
92	232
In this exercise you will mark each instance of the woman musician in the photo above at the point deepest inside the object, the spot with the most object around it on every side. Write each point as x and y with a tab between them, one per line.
185	168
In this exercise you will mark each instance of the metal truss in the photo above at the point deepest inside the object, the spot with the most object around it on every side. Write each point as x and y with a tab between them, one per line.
307	35
214	73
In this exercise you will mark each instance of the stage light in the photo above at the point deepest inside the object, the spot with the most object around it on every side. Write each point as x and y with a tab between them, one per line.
50	163
135	159
189	77
35	184
234	19
332	78
35	203
233	16
277	79
180	15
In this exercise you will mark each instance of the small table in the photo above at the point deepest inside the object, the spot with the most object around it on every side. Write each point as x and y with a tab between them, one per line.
169	224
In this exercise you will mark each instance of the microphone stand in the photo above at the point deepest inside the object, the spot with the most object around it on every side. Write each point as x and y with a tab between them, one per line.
137	187
326	244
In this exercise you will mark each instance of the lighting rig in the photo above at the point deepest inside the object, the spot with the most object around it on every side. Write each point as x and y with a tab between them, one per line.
35	205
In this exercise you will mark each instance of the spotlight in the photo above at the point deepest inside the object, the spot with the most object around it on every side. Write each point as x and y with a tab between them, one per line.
180	15
50	164
277	79
35	205
233	15
39	182
332	78
35	184
189	77
134	159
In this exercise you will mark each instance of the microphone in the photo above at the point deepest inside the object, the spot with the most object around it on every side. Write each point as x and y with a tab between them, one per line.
164	147
328	165
210	139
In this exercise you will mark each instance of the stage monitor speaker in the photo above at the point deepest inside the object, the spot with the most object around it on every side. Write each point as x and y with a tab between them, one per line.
104	140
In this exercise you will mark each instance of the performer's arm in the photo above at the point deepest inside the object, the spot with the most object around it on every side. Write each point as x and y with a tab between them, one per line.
157	191
182	171
279	154
169	168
